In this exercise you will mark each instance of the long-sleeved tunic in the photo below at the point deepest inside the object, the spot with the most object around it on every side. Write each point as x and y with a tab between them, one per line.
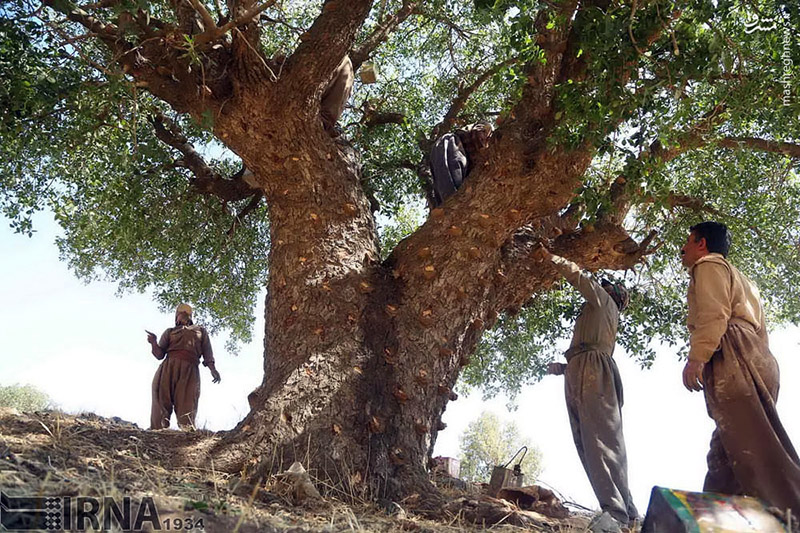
593	390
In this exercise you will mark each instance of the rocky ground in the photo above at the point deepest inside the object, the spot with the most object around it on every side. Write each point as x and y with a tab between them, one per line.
50	453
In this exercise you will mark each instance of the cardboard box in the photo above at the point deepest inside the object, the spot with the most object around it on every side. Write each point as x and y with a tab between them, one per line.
448	465
677	511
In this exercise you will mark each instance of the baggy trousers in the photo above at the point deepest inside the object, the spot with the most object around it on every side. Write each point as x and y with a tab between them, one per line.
176	385
750	451
594	402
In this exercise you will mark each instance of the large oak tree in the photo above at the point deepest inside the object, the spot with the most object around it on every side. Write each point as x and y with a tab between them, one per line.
618	124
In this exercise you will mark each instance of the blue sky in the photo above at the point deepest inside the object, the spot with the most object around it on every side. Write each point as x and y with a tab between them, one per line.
86	347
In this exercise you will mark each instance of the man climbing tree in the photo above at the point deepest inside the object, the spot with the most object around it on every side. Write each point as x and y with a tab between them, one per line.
613	120
453	156
336	94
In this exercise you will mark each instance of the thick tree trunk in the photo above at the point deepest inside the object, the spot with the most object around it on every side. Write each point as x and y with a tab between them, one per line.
361	357
331	397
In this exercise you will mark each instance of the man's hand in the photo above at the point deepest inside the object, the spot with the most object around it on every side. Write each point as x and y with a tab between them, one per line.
541	254
215	375
151	337
693	375
556	369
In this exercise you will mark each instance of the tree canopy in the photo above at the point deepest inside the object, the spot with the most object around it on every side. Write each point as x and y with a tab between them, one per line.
488	442
692	107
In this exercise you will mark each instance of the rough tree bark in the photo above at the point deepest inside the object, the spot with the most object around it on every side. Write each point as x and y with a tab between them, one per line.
361	355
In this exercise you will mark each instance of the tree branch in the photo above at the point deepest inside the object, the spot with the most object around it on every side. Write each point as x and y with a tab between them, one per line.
607	246
764	145
156	63
211	35
378	119
207	180
690	202
694	137
101	4
464	34
210	25
519	180
574	67
534	113
105	31
324	45
645	42
474	223
361	53
464	93
373	117
239	217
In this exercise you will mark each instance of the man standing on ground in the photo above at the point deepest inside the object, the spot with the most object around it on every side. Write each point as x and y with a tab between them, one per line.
730	360
593	388
176	384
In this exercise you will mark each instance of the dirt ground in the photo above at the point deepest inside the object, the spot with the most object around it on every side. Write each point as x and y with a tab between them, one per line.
50	453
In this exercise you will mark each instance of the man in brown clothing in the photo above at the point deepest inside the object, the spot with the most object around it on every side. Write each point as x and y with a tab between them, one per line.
336	94
593	389
176	384
453	156
730	360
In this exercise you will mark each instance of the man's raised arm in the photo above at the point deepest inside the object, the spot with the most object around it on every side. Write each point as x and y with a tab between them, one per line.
592	292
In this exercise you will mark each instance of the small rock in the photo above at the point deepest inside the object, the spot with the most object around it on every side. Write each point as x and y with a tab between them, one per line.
299	484
449	481
393	509
408	525
6	454
121	422
603	523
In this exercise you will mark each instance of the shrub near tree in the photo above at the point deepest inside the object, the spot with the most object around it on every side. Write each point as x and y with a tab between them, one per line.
488	442
24	398
618	125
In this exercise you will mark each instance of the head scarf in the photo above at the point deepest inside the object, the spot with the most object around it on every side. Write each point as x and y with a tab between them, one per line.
475	137
618	293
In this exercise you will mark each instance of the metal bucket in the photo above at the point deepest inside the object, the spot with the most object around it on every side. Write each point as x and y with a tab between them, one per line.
502	476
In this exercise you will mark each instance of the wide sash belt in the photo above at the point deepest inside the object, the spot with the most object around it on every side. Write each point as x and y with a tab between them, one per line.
184	355
582	348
